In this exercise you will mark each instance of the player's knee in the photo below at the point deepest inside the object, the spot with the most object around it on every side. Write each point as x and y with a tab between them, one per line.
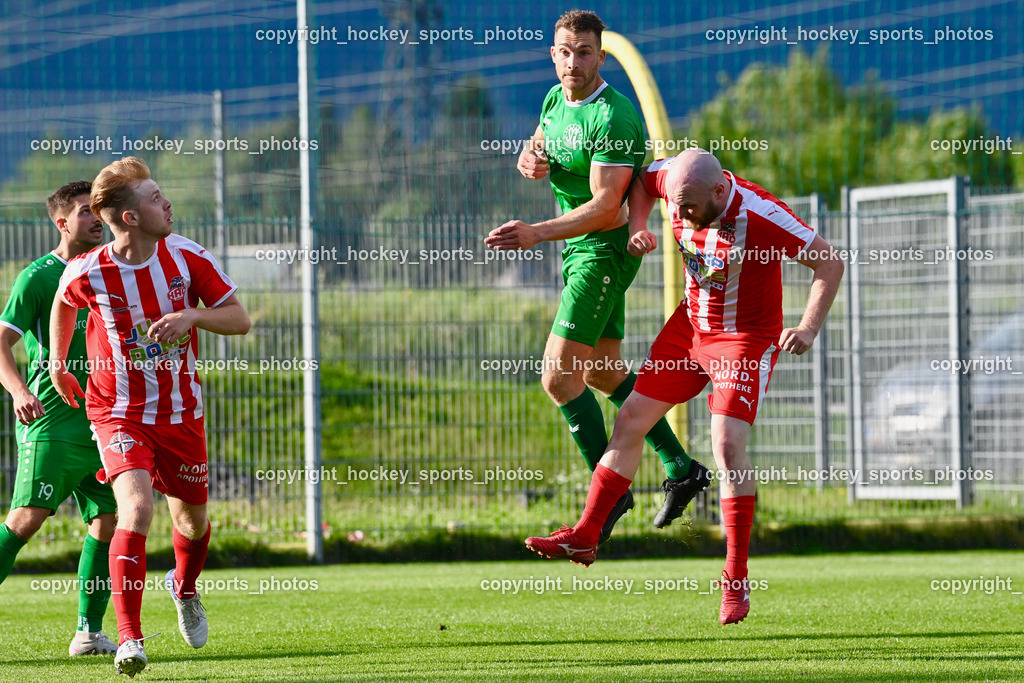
135	514
727	446
102	527
562	388
631	424
605	381
192	524
24	522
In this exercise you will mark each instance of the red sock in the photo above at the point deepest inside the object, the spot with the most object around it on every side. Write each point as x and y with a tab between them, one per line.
738	516
606	487
127	581
189	558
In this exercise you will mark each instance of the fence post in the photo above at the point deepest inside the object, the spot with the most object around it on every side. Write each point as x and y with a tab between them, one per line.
220	198
959	331
854	456
310	307
819	369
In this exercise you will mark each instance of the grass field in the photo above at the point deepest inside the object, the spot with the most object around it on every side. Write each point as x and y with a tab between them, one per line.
830	617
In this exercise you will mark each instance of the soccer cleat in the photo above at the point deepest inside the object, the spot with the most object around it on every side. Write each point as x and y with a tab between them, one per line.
622	506
191	615
563	543
85	643
735	600
130	658
679	493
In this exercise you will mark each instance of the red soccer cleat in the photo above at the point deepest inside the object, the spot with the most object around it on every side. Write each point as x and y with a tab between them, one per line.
735	600
563	543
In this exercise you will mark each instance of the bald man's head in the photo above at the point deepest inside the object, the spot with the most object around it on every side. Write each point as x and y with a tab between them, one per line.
694	182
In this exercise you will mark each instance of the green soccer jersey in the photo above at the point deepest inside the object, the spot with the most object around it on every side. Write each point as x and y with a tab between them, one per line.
602	130
28	313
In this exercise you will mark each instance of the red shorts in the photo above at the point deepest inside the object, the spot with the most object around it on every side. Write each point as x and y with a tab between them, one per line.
682	360
174	455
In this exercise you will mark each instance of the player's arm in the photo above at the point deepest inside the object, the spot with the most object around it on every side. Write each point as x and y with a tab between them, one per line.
608	185
828	271
641	203
63	318
27	407
533	162
228	317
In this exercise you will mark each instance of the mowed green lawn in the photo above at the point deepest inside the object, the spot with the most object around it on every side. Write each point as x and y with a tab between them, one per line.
835	617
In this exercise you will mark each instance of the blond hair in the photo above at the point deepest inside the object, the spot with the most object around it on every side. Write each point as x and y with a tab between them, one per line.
113	190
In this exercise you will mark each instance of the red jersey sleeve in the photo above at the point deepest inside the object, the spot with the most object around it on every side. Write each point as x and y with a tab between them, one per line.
654	179
210	284
75	289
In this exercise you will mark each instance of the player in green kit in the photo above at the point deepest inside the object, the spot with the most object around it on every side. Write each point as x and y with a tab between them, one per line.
590	142
57	456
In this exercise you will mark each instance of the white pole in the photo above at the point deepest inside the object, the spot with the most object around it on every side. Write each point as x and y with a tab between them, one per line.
220	197
310	311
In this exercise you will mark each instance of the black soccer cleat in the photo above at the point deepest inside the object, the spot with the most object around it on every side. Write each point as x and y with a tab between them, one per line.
622	506
679	493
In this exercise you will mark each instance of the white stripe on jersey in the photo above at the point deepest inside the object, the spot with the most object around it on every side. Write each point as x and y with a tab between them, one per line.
160	289
118	360
764	374
731	300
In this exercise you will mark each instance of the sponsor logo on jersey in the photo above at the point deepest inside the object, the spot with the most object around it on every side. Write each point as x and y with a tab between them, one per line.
147	348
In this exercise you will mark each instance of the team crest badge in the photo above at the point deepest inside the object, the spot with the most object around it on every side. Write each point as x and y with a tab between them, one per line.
572	136
176	288
121	443
727	232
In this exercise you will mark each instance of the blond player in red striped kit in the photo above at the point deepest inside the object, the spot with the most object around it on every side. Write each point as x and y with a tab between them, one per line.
733	236
144	399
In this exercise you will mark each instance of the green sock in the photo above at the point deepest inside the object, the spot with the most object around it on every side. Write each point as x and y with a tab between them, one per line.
586	422
10	544
661	437
93	584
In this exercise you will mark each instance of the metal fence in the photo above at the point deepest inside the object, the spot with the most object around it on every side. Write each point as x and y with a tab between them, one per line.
433	414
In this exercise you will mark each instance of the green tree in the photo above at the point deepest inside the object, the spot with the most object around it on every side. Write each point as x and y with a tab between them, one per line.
820	136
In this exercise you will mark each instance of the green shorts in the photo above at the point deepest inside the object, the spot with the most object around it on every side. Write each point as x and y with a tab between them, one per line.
50	471
597	271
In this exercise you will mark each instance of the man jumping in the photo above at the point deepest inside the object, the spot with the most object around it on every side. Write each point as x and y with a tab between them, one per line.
591	142
734	236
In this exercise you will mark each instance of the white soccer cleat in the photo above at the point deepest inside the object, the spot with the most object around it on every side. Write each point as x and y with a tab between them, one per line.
85	643
130	658
191	615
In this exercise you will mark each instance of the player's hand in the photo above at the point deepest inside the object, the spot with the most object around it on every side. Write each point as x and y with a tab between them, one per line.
643	242
27	407
67	386
512	235
533	164
796	340
172	326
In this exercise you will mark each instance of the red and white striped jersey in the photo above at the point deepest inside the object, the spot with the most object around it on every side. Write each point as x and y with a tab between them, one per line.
734	266
133	377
